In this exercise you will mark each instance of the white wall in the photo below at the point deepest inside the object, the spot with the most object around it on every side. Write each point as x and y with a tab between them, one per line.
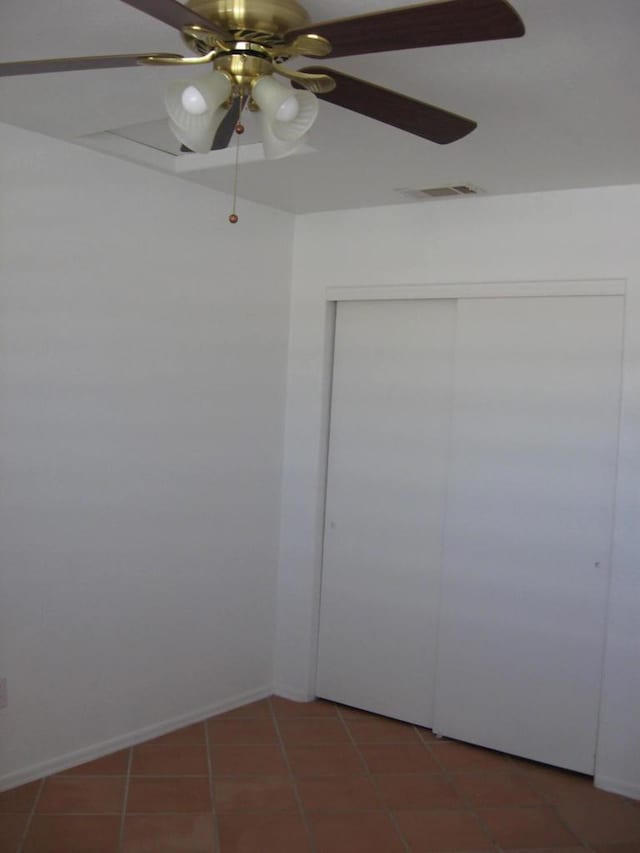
142	377
587	234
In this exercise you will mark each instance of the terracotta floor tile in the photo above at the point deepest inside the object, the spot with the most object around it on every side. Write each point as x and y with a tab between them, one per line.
82	795
73	834
148	795
313	730
262	833
382	730
483	800
115	764
261	708
255	793
286	709
611	822
12	828
334	759
535	827
176	833
418	791
561	786
457	757
580	849
489	788
398	758
448	830
339	794
152	759
242	731
19	800
193	734
366	832
241	760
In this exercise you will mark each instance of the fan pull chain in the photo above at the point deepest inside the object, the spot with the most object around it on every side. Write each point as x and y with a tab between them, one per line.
233	216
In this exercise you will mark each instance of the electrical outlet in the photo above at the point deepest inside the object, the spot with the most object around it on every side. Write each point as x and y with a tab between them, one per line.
3	693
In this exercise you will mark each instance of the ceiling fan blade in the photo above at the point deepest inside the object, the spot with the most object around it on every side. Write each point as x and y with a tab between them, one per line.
425	25
176	15
228	124
72	63
392	108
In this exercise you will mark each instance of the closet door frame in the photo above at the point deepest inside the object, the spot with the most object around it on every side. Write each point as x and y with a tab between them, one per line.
453	290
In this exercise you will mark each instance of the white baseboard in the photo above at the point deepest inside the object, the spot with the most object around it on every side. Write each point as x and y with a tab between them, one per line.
617	786
98	750
293	693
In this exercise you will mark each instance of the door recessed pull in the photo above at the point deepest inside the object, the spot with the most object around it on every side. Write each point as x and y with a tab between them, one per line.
597	565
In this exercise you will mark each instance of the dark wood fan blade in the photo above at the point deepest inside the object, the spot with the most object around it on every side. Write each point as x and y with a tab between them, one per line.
228	124
176	15
395	109
445	22
73	63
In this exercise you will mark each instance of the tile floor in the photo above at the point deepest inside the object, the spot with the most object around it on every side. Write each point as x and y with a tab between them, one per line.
281	777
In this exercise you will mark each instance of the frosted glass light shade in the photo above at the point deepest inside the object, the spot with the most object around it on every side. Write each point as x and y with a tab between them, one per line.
285	121
196	130
200	137
274	148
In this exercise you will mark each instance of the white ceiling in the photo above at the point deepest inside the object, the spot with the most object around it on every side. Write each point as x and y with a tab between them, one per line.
556	109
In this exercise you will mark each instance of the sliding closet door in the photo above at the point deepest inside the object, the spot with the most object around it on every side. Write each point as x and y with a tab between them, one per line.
527	543
390	420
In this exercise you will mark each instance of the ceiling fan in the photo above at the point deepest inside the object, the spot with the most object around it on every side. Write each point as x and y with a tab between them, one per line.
248	41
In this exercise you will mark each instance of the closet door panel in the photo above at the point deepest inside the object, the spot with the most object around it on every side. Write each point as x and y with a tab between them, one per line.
529	520
390	422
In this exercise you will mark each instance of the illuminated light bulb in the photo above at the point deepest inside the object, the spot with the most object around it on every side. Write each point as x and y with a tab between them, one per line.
193	101
288	110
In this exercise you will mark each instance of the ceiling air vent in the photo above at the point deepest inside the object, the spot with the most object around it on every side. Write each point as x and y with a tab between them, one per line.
452	191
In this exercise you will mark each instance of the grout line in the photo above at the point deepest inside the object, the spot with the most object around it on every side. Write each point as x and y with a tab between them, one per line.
514	768
125	799
569	829
469	806
163	776
372	779
84	814
294	784
27	826
216	827
548	802
67	776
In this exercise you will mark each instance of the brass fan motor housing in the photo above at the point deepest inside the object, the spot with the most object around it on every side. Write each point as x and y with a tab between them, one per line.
244	65
268	18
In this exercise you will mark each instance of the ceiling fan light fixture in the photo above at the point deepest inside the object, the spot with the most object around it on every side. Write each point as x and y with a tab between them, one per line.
193	101
198	139
190	124
274	148
295	129
288	109
287	114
